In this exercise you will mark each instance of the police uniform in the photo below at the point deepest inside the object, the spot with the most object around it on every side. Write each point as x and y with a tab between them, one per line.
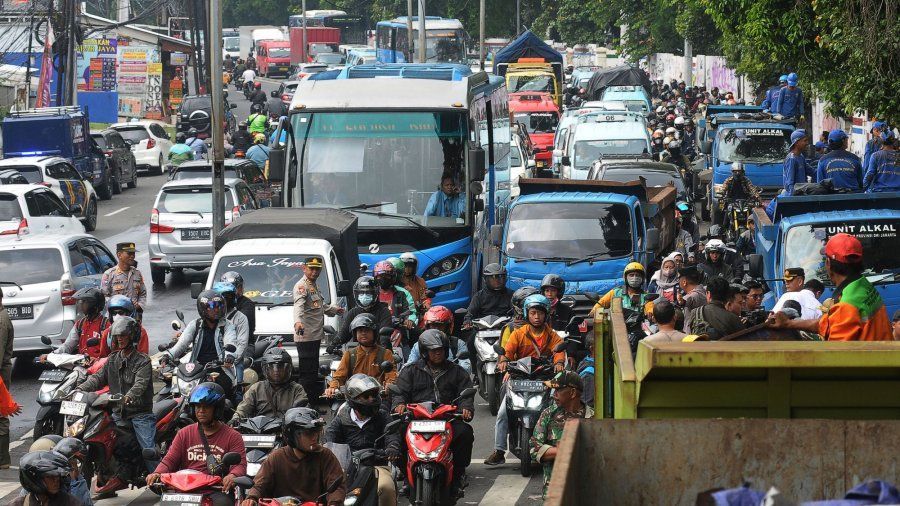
129	283
310	309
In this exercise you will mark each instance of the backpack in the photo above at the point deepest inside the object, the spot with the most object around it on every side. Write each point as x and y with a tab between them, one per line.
699	325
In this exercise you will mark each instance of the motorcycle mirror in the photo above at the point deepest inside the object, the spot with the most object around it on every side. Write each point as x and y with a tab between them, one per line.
567	301
469	392
243	482
248	362
461	311
335	484
592	296
46	340
150	454
499	349
176	325
561	347
231	459
329	329
394	389
162	347
179	314
94	341
324	369
230	348
463	356
385	331
392	425
386	366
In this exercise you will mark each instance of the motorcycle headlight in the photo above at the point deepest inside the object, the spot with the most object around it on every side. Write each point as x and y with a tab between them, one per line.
427	455
253	468
445	266
75	429
45	396
517	400
484	349
718	188
534	402
350	501
185	387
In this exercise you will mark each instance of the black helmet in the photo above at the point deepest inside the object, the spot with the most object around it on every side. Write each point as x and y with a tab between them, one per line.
93	300
300	419
363	320
180	138
211	394
555	281
210	305
125	326
235	279
365	285
518	297
433	339
494	270
277	366
71	448
360	384
193	132
256	108
35	466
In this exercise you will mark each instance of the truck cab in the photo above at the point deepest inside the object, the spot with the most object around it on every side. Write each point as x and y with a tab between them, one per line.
534	75
273	58
540	117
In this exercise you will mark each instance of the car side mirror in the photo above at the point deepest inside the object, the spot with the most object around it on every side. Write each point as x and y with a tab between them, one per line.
344	288
196	288
476	164
756	265
566	160
496	235
652	239
276	163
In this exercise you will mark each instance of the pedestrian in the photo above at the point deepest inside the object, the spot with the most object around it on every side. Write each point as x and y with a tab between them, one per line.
842	167
310	309
858	312
125	278
873	144
664	314
883	174
6	351
796	169
790	99
694	293
802	291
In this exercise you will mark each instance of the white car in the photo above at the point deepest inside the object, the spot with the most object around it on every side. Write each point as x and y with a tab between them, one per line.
149	142
63	180
33	209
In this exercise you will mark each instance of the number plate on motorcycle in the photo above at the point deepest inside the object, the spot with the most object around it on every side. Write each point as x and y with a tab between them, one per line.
181	498
427	426
53	375
489	333
259	440
72	408
527	385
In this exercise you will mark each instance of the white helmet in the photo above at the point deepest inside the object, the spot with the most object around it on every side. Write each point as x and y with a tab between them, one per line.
660	109
667	140
671	131
658	133
679	121
714	245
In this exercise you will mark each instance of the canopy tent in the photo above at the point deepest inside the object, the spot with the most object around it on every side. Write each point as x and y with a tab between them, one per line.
622	75
527	45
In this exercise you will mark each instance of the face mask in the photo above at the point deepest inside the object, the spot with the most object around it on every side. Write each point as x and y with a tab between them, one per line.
365	299
668	272
385	283
635	280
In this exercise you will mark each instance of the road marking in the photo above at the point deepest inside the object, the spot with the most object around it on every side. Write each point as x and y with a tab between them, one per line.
8	487
16	444
27	435
506	490
117	211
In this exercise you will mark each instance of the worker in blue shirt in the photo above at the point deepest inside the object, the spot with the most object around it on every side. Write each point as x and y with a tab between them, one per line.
795	167
772	93
874	143
790	99
842	167
448	201
884	166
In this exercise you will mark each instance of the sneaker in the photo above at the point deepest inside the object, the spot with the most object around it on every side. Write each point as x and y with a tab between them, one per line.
496	458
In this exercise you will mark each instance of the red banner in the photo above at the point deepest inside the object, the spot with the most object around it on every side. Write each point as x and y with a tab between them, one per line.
43	95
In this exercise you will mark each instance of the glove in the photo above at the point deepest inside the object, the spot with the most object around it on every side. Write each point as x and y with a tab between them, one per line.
392	454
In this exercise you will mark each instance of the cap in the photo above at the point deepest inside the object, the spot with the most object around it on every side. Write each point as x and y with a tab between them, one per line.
896	316
820	145
126	246
797	135
313	262
565	379
794	272
879	125
844	248
836	135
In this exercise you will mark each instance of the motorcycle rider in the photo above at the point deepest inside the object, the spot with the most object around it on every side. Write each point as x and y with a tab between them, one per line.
121	305
739	187
259	152
435	379
258	96
277	394
632	292
248	76
656	144
413	283
251	61
44	475
553	287
302	468
180	152
89	302
196	144
257	120
397	298
494	298
365	293
537	339
243	303
518	298
360	422
126	372
237	318
714	263
239	69
241	140
76	451
441	318
364	358
201	446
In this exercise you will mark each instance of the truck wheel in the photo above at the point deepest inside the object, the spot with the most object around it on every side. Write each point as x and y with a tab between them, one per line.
158	275
90	216
524	452
492	391
105	190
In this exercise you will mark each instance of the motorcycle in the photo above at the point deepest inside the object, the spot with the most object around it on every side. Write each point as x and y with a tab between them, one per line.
188	487
243	483
58	383
362	473
262	435
487	333
248	89
735	220
429	463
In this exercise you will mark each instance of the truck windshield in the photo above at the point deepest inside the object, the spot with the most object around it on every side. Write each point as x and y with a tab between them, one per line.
757	145
879	238
569	231
270	278
518	82
396	159
232	44
587	152
538	122
279	52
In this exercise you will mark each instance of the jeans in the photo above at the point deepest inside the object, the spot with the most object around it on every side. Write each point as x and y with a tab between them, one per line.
238	379
145	433
501	426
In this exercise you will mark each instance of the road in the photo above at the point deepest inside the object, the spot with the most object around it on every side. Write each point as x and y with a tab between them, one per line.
126	218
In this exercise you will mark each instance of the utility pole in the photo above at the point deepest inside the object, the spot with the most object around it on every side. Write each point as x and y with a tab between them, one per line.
518	17
124	8
422	34
30	49
688	63
194	41
410	56
481	33
61	76
71	69
214	60
305	52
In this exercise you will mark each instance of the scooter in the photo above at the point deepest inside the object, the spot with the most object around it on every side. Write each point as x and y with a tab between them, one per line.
58	383
487	333
362	473
429	464
262	435
188	487
243	483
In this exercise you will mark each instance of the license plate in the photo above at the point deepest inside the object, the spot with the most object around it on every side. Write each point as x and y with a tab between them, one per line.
259	440
283	69
527	385
540	163
182	498
427	426
53	375
489	333
195	234
21	312
72	408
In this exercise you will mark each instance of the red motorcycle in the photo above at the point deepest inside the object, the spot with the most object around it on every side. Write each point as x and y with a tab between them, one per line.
244	483
188	487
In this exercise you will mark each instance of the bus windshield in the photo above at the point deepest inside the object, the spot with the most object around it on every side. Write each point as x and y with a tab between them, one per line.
407	165
444	46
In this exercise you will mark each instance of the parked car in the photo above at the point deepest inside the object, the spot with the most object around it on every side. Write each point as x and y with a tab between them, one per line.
12	176
181	223
149	142
119	157
60	176
49	269
31	208
236	168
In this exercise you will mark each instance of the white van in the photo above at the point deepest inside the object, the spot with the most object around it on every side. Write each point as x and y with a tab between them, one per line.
601	134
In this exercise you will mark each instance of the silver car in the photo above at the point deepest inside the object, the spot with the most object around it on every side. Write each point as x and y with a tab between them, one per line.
181	223
41	273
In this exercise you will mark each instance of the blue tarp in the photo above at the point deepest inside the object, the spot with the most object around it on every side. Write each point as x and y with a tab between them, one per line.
527	45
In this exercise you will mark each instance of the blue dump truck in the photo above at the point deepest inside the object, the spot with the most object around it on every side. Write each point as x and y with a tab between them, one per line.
585	231
803	224
746	135
58	131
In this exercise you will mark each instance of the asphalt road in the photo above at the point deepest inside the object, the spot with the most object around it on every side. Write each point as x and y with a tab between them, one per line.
126	218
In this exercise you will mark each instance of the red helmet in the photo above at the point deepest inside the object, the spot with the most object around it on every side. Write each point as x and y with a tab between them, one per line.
439	314
670	118
257	85
383	267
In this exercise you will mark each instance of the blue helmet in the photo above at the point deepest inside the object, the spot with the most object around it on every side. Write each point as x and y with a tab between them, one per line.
120	304
224	288
783	78
536	300
792	79
211	394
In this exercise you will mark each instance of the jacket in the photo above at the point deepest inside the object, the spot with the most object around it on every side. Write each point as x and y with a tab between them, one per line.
264	399
382	318
258	154
83	330
716	318
842	167
457	347
417	384
364	362
129	376
283	473
560	314
859	314
489	302
522	342
790	102
416	287
248	307
710	270
795	171
242	140
342	429
872	146
883	174
225	334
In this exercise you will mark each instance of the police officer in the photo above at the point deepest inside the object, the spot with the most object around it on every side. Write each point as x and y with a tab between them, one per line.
310	309
842	167
125	278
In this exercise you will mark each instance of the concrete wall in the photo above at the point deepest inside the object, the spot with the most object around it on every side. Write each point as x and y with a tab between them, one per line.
708	71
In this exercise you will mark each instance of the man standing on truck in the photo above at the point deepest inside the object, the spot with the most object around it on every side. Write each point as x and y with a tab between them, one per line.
883	174
858	312
874	144
795	167
842	167
125	278
310	309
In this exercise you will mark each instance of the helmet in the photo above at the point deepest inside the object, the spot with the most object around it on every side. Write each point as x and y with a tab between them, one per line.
227	290
356	387
363	321
433	339
180	138
714	245
633	267
679	121
783	78
439	314
385	274
494	270
555	281
120	305
397	264
124	326
211	394
35	466
277	366
92	299
383	267
242	125
518	297
235	279
70	447
45	443
256	108
365	285
536	300
674	144
259	138
257	85
658	133
408	258
300	419
193	132
210	305
792	79
737	167
671	131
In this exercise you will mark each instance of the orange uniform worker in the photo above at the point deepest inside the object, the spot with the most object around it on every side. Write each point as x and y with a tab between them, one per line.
858	312
535	339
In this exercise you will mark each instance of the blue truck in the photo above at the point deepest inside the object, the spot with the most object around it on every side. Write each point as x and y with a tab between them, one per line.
746	135
802	225
58	131
585	231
